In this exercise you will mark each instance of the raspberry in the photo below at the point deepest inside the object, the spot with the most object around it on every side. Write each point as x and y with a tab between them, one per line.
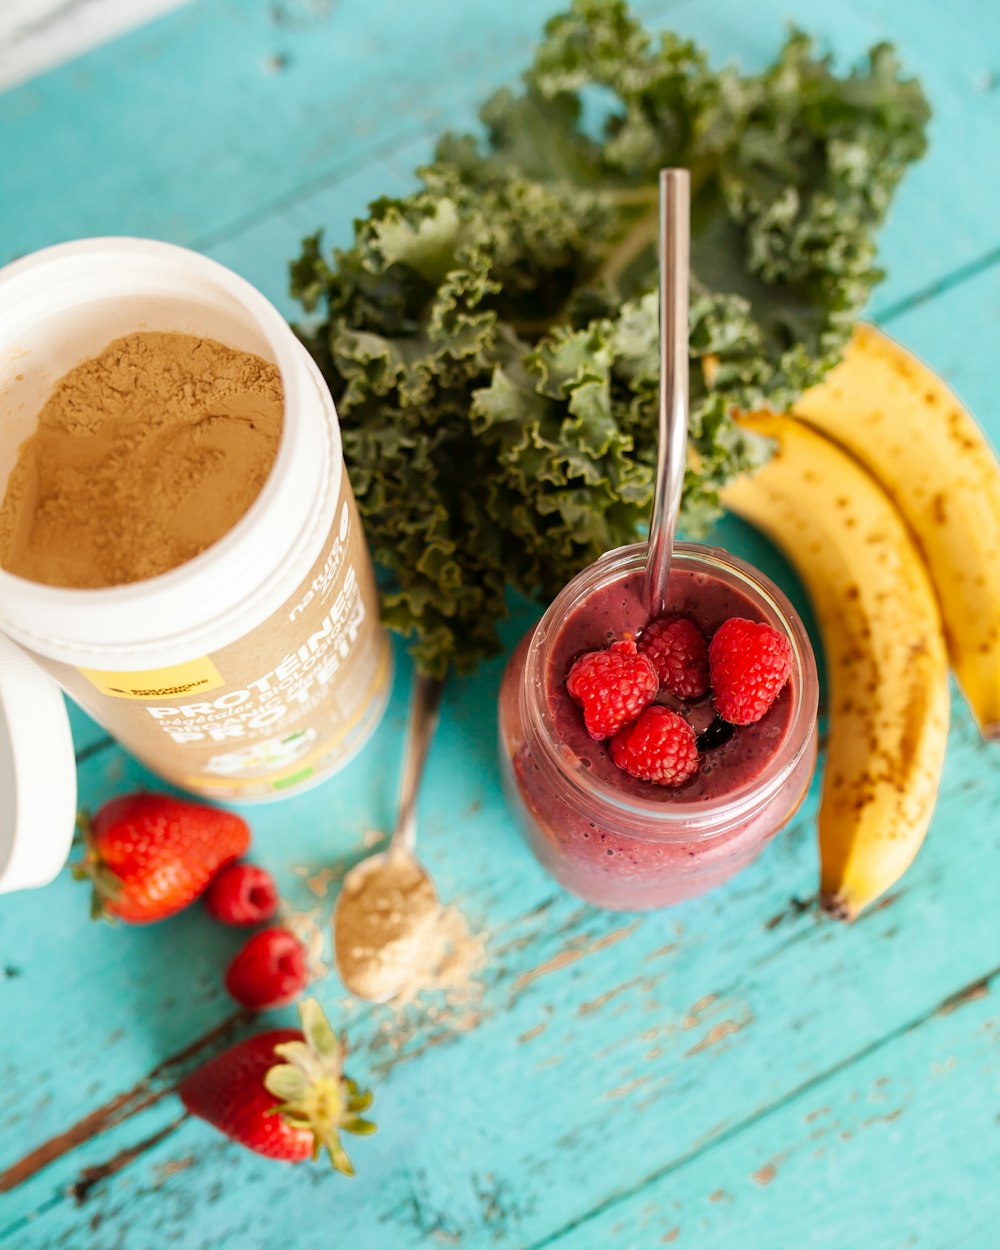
679	653
659	747
749	663
242	894
612	686
269	971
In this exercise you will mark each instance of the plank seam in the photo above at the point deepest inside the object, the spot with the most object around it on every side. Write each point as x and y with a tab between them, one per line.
90	1177
953	1002
95	748
384	152
160	1082
964	273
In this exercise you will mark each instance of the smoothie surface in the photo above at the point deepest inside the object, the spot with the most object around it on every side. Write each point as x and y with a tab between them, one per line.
616	611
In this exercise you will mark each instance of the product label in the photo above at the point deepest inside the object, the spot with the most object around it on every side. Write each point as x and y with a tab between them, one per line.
285	703
158	683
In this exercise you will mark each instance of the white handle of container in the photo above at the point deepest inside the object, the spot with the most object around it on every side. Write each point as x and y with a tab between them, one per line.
37	773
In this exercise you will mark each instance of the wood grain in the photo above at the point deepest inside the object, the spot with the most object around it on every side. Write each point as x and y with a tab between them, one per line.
725	1073
860	1151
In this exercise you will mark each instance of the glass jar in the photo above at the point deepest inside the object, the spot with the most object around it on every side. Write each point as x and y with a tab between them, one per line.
626	844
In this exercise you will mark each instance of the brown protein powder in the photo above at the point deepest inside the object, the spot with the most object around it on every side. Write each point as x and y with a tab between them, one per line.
143	456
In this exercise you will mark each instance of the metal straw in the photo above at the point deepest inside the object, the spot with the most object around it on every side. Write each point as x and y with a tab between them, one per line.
675	242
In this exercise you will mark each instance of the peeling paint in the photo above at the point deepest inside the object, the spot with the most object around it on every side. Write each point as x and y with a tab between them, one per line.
969	994
155	1086
572	954
627	1088
616	935
596	1003
171	1167
882	1119
716	1033
562	960
661	951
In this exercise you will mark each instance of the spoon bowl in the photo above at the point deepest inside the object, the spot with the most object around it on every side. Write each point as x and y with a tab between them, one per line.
386	905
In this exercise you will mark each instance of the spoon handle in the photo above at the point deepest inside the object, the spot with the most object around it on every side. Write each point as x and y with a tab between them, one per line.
675	247
424	706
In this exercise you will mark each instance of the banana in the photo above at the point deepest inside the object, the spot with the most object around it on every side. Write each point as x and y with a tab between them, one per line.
902	422
885	654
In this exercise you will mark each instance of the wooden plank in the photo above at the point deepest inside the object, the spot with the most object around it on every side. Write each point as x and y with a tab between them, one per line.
136	995
262	252
874	1155
128	998
606	1048
936	224
218	111
511	1127
960	157
958	335
263	249
288	137
643	1025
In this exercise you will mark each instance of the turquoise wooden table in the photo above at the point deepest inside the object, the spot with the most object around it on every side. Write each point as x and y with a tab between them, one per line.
738	1071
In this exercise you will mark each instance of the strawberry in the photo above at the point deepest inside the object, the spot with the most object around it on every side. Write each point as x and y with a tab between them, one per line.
285	1110
269	971
242	894
660	747
749	663
679	653
150	855
612	686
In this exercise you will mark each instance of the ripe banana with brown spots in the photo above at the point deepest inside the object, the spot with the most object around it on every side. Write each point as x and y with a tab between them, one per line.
887	667
912	433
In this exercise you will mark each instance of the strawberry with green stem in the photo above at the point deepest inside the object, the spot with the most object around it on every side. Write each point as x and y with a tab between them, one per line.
288	1110
151	855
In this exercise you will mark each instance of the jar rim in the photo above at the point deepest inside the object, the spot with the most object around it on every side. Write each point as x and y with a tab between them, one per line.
224	591
699	819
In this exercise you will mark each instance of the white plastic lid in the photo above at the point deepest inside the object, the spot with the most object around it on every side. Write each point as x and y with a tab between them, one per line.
37	774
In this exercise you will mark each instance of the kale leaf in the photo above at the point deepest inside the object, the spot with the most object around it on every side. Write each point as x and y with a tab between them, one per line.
491	339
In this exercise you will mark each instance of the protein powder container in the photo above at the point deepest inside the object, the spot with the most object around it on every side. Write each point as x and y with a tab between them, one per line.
254	670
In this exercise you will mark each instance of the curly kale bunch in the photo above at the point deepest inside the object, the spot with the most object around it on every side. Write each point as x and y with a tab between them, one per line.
491	339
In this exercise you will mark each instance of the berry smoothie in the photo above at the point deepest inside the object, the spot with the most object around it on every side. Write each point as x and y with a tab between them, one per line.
611	838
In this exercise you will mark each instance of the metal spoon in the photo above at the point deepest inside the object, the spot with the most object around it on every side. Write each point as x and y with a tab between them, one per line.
381	874
675	246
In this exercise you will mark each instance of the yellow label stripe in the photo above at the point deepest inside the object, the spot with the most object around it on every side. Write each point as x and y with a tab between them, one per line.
176	682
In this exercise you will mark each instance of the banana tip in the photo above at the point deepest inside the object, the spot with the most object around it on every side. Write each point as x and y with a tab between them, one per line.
836	906
991	732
